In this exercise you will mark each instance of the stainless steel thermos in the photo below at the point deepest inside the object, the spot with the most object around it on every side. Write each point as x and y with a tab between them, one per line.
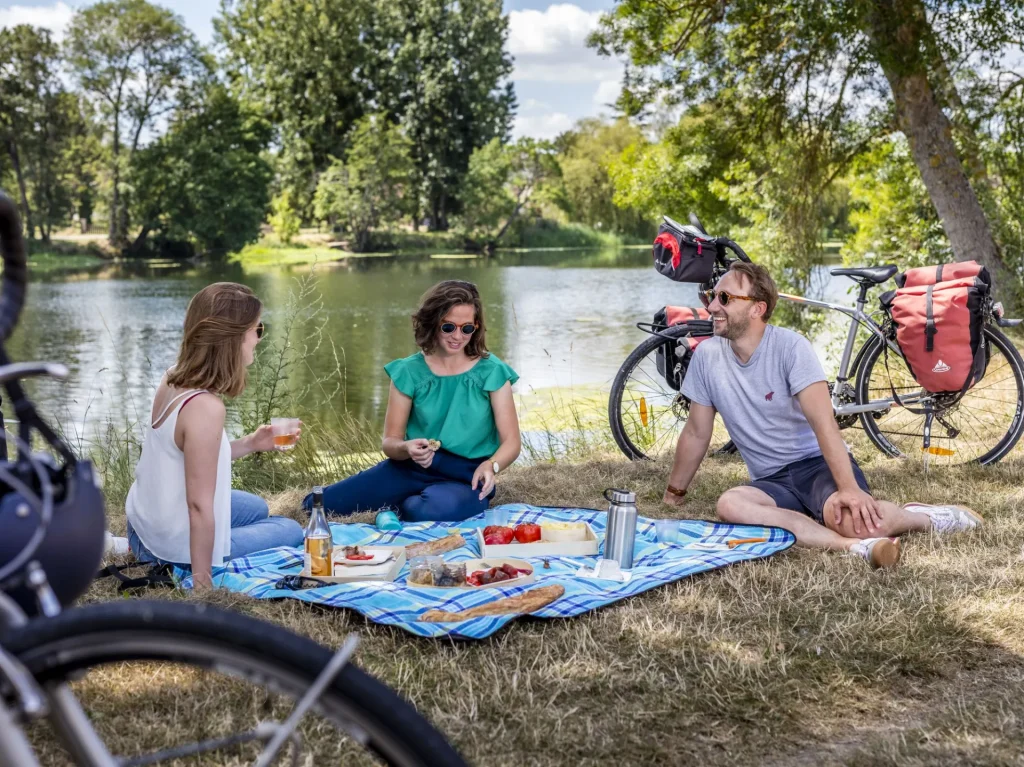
620	533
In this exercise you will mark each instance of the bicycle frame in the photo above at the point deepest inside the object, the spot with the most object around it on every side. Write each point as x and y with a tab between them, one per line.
858	318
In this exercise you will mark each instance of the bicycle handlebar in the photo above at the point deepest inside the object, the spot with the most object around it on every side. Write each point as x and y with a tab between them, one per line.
735	248
15	276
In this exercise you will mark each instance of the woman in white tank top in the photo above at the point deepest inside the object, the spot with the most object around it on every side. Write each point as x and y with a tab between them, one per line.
181	508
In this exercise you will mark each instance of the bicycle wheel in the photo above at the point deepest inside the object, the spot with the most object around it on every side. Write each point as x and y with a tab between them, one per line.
148	672
645	413
982	426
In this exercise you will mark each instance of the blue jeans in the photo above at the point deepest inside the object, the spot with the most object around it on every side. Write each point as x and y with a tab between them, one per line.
252	530
441	493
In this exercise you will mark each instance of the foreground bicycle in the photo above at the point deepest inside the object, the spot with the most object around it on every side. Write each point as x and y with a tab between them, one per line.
250	691
647	411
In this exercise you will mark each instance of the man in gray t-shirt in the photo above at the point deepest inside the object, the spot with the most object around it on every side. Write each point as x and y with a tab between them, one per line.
771	391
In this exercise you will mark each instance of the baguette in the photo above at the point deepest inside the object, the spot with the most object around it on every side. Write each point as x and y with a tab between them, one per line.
527	602
435	547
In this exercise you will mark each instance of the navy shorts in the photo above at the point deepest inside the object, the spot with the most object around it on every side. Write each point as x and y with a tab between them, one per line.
805	485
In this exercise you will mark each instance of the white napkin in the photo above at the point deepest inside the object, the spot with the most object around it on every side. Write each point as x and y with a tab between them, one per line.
605	570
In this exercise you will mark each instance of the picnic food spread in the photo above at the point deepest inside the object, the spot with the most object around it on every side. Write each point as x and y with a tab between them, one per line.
355	553
505	572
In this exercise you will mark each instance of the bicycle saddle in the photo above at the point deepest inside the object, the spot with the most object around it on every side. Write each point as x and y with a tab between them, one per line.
872	274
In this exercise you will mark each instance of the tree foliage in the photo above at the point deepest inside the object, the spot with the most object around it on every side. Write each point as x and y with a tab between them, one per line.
502	182
133	60
816	82
437	67
374	183
204	185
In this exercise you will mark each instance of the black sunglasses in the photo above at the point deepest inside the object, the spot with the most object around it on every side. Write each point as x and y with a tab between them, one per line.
724	297
260	330
449	327
298	583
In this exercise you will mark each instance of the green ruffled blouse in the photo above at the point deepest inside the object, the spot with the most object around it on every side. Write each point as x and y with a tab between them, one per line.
454	409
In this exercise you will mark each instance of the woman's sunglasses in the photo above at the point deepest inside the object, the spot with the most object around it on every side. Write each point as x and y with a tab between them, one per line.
467	330
260	330
724	297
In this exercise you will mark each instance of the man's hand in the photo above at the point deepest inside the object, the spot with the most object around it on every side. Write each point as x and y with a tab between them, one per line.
671	499
863	509
420	452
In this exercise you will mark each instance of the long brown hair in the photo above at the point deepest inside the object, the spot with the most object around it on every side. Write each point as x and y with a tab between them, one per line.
216	321
436	303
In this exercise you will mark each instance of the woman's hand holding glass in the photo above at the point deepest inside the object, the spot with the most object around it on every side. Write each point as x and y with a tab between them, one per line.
420	452
279	435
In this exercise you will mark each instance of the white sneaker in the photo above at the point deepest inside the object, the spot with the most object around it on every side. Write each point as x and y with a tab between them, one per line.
948	519
114	545
878	552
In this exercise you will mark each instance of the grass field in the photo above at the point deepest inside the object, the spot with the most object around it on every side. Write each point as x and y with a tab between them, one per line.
806	659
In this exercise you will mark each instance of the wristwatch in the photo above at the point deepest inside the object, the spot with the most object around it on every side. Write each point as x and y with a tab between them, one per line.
496	466
676	491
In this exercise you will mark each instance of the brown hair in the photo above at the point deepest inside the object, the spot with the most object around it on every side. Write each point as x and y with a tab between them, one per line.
436	303
762	286
216	321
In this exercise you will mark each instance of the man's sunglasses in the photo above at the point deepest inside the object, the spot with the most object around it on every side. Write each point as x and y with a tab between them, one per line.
467	330
260	330
723	296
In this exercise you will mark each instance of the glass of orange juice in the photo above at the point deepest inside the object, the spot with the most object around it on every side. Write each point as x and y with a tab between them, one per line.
286	432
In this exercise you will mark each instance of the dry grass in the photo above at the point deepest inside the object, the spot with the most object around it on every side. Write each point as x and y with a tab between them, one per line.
808	658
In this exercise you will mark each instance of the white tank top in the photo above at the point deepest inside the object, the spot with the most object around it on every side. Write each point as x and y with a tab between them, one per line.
156	505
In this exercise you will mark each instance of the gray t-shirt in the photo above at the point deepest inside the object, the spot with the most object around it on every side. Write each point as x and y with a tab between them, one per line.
757	400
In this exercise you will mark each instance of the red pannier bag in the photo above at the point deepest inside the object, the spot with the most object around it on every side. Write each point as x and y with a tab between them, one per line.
939	316
700	320
684	254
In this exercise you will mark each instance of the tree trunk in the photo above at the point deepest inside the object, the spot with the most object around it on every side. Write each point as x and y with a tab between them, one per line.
12	150
897	30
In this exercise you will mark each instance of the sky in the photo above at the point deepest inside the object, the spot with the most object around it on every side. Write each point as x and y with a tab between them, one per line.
558	80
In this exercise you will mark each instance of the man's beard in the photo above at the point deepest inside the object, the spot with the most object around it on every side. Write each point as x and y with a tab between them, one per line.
733	328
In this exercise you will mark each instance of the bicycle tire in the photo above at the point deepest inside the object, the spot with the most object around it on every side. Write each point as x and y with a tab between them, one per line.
874	356
211	639
615	415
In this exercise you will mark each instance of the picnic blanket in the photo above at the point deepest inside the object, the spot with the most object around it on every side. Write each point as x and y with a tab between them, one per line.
703	546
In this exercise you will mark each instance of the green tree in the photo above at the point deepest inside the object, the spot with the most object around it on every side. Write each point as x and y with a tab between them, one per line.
448	85
372	186
501	183
311	67
132	59
802	67
38	117
205	184
285	219
588	152
438	67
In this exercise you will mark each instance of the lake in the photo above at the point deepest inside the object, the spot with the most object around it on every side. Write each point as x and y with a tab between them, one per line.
564	320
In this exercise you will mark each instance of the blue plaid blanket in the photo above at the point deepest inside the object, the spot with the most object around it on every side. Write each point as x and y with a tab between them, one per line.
702	546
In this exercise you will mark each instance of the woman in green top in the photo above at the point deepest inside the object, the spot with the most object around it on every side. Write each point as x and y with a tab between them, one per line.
451	423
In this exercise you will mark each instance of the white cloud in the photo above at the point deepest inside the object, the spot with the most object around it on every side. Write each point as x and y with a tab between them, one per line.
545	126
53	17
551	45
607	93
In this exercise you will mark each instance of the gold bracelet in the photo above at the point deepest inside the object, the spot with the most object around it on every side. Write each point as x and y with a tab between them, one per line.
675	491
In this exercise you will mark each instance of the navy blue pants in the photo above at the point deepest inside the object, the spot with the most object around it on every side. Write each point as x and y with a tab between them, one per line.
441	493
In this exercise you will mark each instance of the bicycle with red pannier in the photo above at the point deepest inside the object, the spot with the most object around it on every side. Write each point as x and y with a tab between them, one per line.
935	377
